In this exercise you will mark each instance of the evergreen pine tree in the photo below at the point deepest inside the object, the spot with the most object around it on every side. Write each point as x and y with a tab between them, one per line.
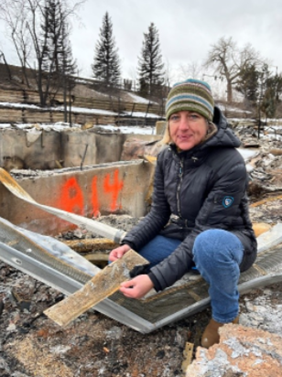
150	65
58	65
248	83
57	56
106	65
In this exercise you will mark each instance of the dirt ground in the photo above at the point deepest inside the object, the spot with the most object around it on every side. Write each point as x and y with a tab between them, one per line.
93	345
31	345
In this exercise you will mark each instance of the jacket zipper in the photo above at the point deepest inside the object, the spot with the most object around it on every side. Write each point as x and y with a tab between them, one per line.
180	175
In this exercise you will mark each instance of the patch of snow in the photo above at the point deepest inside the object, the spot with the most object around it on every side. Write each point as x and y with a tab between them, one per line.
31	127
76	109
271	127
139	114
61	126
231	108
59	349
54	109
21	106
271	137
241	120
247	153
139	99
130	129
86	110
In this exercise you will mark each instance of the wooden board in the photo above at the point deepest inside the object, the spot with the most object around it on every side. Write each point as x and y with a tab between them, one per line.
91	244
188	355
101	286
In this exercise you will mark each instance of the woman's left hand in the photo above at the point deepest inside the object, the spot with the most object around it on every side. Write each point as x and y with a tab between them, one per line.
137	287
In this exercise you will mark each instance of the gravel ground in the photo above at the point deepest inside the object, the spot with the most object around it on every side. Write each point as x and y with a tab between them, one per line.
31	345
93	345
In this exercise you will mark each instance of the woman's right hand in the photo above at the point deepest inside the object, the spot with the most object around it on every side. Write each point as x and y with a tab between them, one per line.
118	252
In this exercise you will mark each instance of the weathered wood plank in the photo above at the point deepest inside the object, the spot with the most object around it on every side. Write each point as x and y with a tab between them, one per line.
91	244
188	355
101	286
266	200
97	257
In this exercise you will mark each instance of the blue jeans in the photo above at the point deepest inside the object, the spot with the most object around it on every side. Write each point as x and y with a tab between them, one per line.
217	255
158	249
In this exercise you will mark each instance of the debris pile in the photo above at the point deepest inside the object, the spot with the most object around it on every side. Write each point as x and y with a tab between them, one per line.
31	345
242	351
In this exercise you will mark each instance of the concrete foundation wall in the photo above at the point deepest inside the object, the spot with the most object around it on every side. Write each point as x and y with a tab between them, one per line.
51	149
118	188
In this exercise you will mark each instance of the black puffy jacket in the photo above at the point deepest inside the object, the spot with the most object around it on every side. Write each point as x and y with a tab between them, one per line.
196	190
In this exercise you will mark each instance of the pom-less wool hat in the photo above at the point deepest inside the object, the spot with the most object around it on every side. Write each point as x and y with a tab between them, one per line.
190	95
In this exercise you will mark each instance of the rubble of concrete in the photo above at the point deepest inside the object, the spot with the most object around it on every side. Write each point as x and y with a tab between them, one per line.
243	351
94	345
253	348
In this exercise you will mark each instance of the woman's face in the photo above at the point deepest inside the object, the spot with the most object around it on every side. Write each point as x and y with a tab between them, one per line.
187	129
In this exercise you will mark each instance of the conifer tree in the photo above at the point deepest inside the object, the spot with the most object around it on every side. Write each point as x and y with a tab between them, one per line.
106	66
56	52
150	65
248	82
41	40
58	64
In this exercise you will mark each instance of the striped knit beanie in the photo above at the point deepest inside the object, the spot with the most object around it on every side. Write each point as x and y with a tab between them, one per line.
191	95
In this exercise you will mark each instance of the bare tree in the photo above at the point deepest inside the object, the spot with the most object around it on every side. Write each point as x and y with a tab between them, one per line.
229	61
57	57
190	70
24	20
14	14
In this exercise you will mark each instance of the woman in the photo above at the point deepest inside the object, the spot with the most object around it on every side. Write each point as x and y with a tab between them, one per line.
199	214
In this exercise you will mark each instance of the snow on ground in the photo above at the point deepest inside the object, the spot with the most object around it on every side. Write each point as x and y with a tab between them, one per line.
141	130
139	99
61	126
79	110
85	110
131	129
247	155
31	127
21	106
138	114
273	125
232	108
59	108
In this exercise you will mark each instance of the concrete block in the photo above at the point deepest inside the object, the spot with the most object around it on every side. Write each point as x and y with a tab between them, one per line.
118	188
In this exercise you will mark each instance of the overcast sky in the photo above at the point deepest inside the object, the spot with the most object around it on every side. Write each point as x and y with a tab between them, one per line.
187	29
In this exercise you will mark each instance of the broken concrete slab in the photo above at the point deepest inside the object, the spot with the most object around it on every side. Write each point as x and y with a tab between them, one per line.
44	148
241	351
102	189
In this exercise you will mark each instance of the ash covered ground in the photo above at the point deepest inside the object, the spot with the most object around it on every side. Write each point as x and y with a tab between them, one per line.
32	345
93	345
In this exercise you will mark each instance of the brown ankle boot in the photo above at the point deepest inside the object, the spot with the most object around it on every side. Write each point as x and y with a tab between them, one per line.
211	335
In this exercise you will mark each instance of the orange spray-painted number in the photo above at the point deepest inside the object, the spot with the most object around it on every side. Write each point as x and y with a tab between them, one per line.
94	197
72	197
113	188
